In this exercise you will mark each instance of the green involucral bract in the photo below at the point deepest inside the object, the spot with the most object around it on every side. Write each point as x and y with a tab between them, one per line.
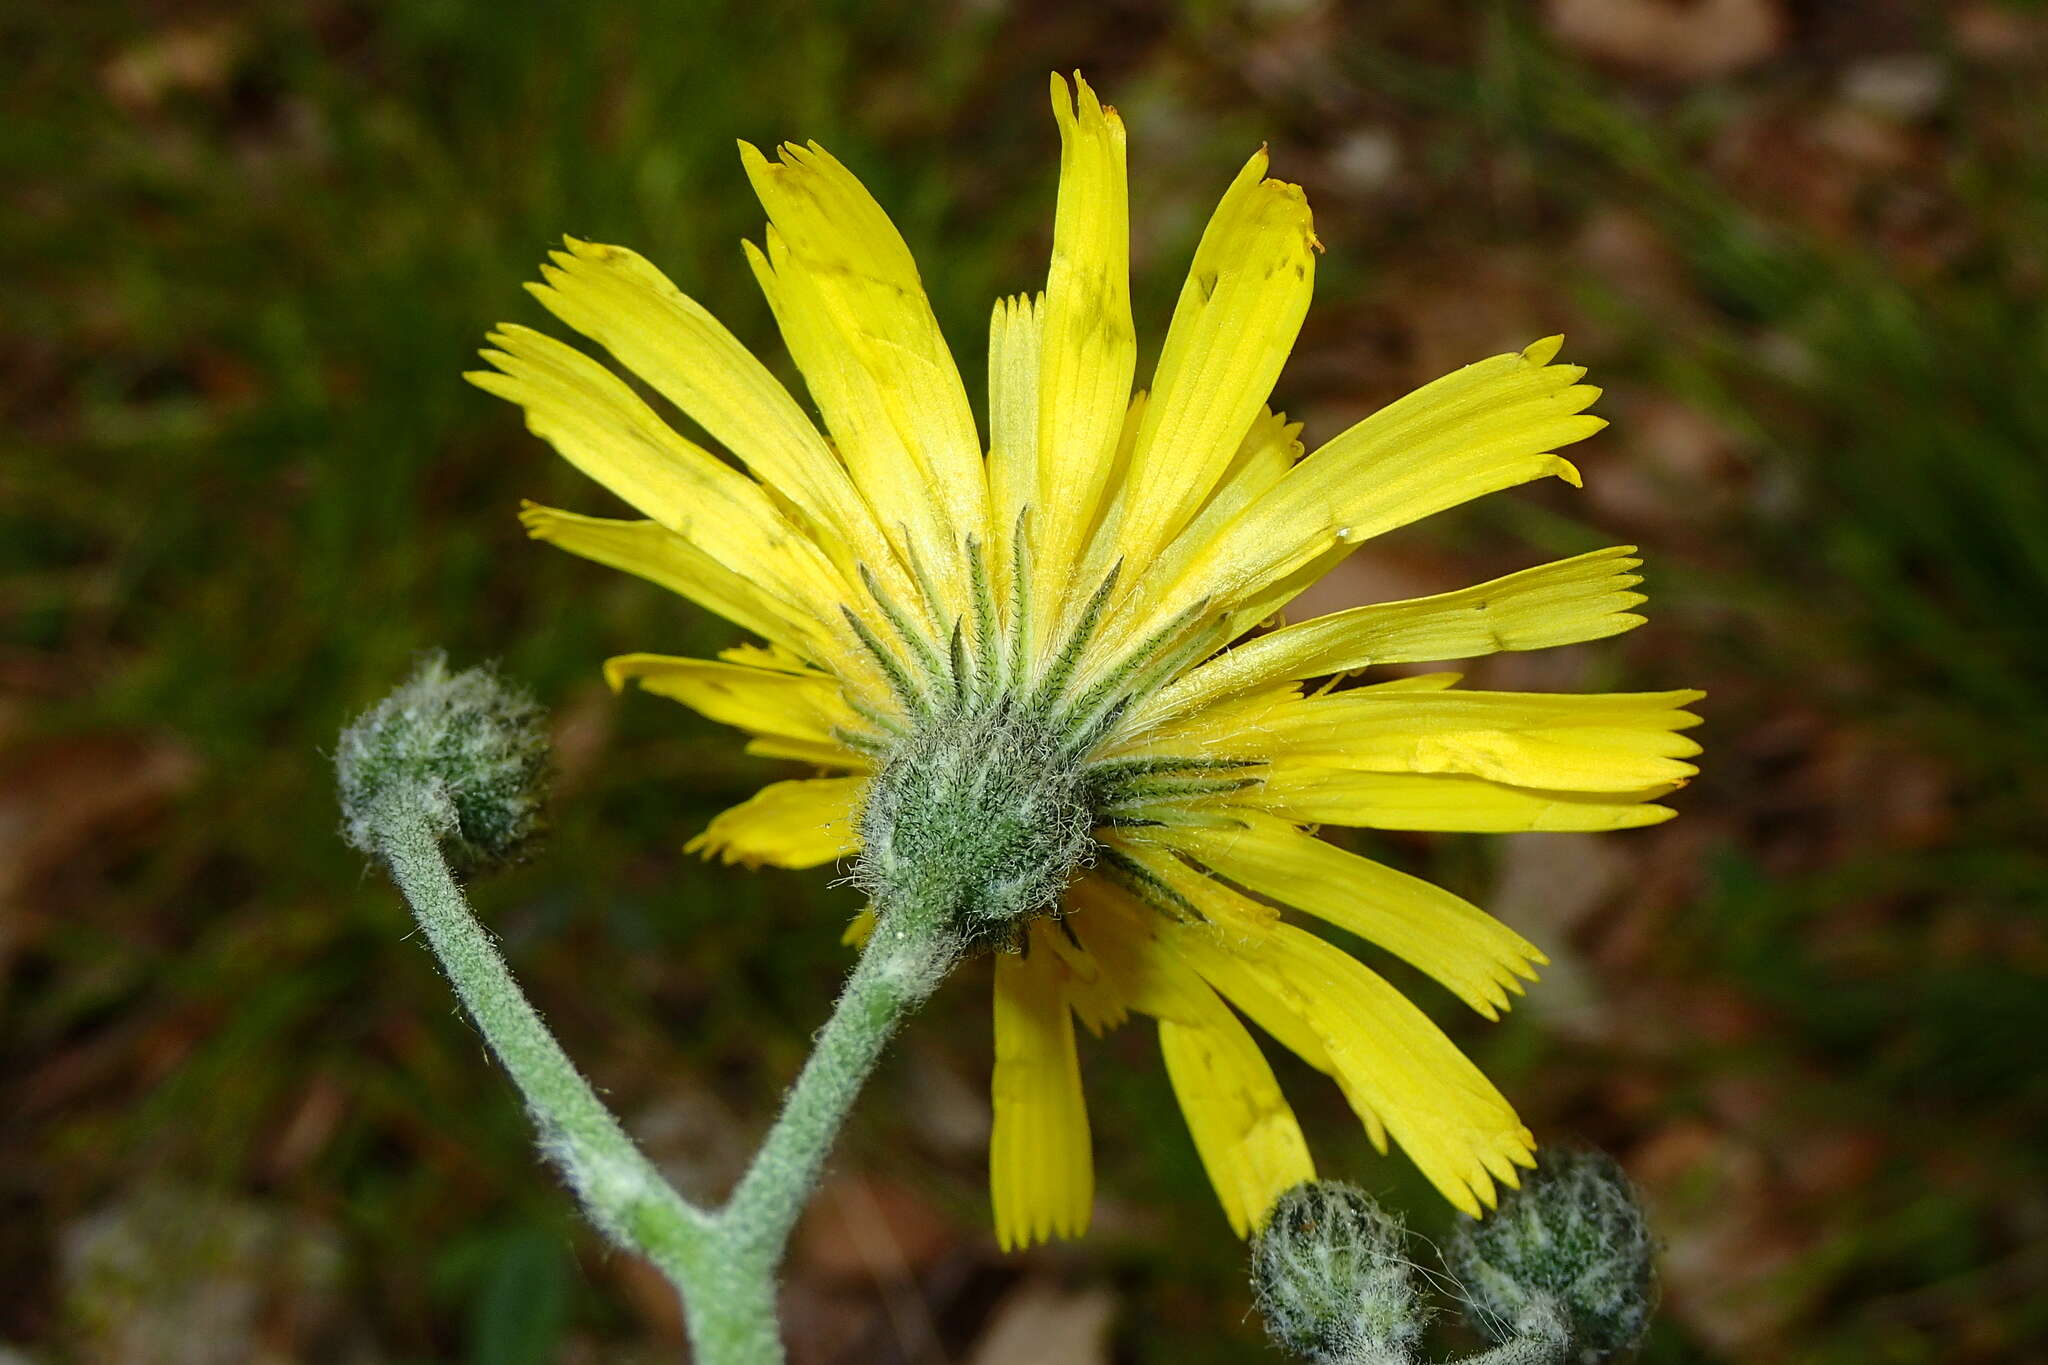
976	817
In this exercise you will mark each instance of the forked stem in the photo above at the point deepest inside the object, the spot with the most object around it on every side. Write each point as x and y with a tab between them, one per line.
722	1263
623	1192
729	1295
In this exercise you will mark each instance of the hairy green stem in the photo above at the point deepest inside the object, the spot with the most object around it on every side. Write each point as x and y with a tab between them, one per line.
900	966
1542	1336
730	1319
724	1263
1521	1351
623	1192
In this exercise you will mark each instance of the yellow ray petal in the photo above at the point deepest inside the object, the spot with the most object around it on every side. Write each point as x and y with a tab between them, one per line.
603	428
618	299
1229	728
1311	794
1089	349
805	707
657	554
1227	974
773	658
1249	1140
859	929
1014	346
801	823
1252	993
1269	448
1584	598
1454	1125
816	753
1245	1132
894	382
1597	742
1057	618
1099	998
1126	935
1239	312
1139	923
1488	426
1041	1171
1468	950
893	482
1415	682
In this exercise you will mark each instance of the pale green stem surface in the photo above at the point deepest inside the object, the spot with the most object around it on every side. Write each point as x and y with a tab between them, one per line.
722	1263
1542	1337
1521	1351
1514	1351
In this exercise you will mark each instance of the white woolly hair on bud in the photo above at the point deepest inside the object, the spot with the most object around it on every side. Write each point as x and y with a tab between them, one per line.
979	818
1569	1254
1332	1277
465	750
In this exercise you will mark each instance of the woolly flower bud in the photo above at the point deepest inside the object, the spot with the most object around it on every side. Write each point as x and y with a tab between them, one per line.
466	750
1571	1244
1333	1279
979	819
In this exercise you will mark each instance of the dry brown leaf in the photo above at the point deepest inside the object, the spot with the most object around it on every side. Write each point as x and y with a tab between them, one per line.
1682	40
1040	1323
1549	885
867	1228
177	1275
60	795
1728	1235
197	58
1682	472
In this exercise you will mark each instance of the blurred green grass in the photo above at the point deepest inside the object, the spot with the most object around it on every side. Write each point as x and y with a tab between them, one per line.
250	250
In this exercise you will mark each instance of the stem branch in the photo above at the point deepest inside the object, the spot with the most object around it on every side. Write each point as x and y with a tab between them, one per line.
723	1264
731	1299
898	969
623	1192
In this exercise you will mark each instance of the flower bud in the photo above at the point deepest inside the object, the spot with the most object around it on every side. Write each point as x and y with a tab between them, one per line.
1331	1273
466	751
1567	1253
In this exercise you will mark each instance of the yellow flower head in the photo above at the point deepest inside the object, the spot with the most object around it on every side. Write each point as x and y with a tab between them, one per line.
1019	657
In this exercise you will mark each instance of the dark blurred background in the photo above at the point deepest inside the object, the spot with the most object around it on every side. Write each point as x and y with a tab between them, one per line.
249	249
